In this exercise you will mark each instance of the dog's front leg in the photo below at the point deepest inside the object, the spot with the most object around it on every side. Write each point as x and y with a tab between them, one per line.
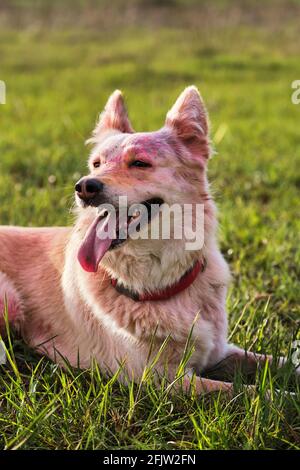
245	361
203	385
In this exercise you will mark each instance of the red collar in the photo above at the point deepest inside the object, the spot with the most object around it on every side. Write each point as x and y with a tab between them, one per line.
186	280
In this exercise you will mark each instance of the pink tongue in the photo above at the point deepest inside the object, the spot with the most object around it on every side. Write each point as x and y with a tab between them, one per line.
94	245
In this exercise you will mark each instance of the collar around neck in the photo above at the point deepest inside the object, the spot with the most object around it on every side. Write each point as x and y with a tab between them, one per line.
184	282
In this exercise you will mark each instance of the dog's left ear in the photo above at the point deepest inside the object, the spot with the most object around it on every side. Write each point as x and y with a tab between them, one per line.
188	117
114	116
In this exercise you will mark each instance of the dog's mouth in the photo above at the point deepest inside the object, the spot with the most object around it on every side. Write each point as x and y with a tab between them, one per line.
110	230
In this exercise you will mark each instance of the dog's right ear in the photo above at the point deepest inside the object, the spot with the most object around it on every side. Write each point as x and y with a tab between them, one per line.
188	116
114	116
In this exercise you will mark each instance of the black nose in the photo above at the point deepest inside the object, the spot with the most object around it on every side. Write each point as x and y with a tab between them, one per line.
88	188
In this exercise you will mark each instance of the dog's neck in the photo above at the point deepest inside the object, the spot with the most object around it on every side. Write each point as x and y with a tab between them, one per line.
164	294
151	265
142	271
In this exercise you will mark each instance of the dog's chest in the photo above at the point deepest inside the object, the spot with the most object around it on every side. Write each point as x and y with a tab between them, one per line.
113	328
133	327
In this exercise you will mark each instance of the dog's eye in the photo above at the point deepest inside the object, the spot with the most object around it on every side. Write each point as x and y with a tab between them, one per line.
96	164
139	164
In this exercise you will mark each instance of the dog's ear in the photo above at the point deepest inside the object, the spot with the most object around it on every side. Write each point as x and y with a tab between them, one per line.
114	115
188	118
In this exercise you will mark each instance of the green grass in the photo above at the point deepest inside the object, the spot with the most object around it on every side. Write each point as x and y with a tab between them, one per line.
57	82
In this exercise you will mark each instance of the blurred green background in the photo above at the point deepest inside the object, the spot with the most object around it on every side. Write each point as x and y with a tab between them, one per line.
60	61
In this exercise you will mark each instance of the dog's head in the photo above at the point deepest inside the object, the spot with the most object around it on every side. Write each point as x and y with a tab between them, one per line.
153	169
